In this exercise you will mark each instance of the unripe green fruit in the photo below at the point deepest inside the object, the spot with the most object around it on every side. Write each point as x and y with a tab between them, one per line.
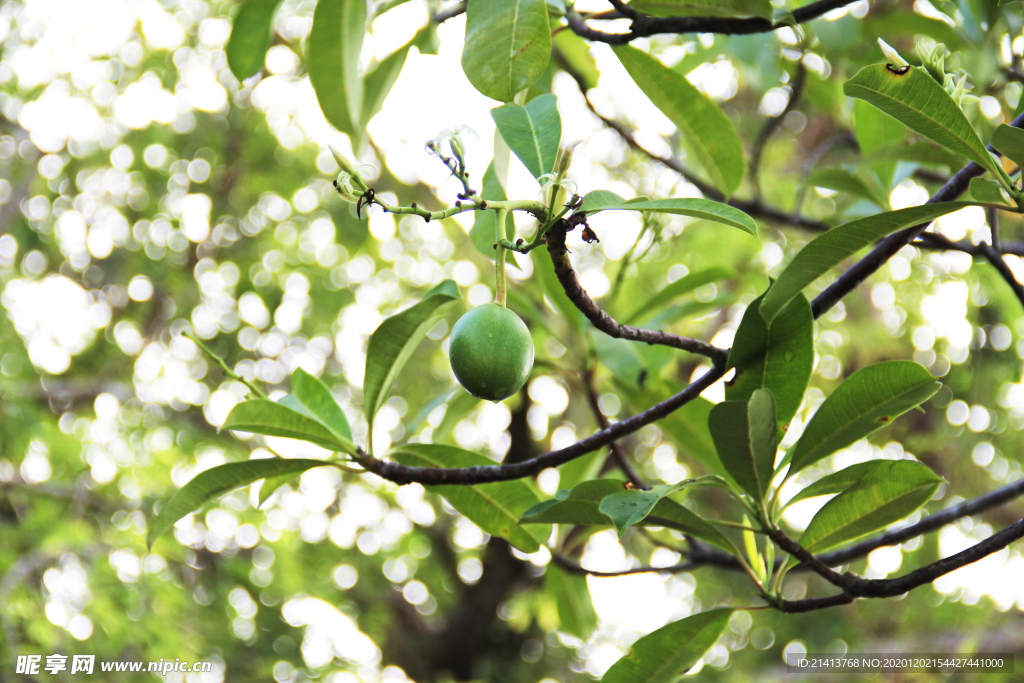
491	352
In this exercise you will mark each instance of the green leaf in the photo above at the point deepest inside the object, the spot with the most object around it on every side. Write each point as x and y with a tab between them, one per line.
683	285
924	106
919	151
705	209
779	358
877	130
315	397
626	508
279	419
251	32
332	56
704	8
482	232
709	132
272	484
378	83
576	613
578	506
841	180
1010	142
884	495
581	506
990	191
532	132
575	52
867	400
829	249
508	44
622	358
837	482
393	342
665	655
746	438
495	508
217	480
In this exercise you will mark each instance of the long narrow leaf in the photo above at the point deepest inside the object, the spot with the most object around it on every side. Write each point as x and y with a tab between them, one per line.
277	419
663	656
508	45
393	342
884	495
532	132
706	209
333	49
828	250
867	400
706	129
915	99
217	480
318	400
251	32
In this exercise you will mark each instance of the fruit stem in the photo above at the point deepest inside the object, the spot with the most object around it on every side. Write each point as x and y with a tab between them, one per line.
499	257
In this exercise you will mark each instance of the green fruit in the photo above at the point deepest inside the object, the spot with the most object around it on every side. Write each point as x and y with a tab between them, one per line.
491	352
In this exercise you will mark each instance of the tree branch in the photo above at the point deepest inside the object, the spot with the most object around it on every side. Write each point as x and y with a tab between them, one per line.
555	239
643	25
449	13
859	587
888	247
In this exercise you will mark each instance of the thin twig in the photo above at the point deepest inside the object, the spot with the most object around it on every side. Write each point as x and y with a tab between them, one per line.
224	366
617	452
772	124
996	259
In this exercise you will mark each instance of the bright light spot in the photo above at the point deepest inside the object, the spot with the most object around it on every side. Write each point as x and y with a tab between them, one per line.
195	216
550	394
55	317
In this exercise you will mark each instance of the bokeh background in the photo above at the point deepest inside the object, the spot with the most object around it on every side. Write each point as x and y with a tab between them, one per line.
144	191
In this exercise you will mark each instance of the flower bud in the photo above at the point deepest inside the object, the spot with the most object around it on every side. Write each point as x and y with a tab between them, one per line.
347	188
891	54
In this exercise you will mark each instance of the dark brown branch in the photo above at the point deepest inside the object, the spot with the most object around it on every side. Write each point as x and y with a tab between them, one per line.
812	604
888	247
890	588
930	523
643	25
993	224
996	259
859	587
402	474
555	239
449	13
